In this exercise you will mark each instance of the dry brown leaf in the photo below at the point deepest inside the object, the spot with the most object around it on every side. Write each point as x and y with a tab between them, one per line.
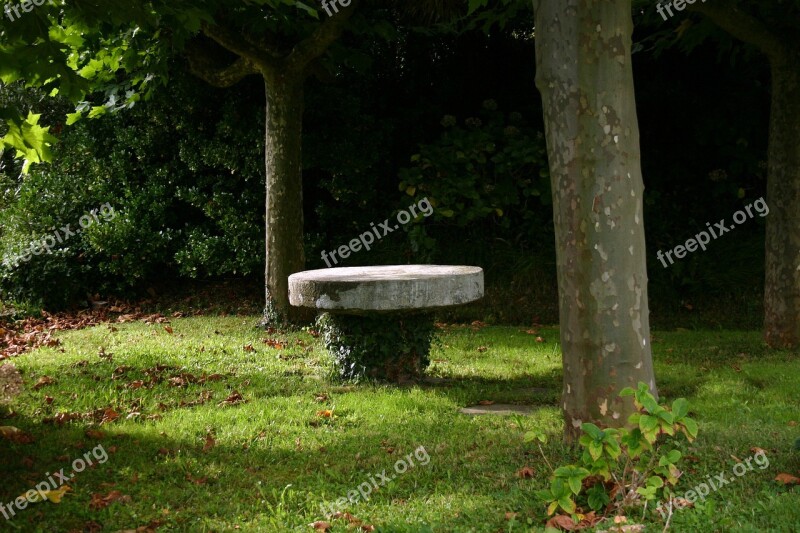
526	472
109	415
44	380
486	402
210	442
95	434
326	413
15	435
321	524
787	479
99	501
539	339
756	450
232	399
168	329
561	521
272	343
482	348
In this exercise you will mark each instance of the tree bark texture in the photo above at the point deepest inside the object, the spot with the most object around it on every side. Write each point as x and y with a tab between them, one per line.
585	77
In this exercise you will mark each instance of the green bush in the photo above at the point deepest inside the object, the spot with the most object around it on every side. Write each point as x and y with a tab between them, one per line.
487	179
184	174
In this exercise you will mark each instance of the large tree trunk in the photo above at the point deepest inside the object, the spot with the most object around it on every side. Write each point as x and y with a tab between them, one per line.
782	283
583	57
284	214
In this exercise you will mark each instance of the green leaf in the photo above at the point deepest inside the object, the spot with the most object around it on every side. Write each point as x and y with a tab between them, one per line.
476	4
691	427
680	408
567	504
72	118
592	430
310	10
595	449
597	497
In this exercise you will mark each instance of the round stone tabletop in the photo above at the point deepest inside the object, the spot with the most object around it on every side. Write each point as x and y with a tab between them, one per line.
386	288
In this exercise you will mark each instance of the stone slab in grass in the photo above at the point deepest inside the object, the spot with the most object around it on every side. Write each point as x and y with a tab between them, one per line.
497	409
377	321
362	290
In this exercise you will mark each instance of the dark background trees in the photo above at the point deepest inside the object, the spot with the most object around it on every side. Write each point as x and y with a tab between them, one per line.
446	115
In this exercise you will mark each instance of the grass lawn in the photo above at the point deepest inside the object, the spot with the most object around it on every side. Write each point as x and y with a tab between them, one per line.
182	460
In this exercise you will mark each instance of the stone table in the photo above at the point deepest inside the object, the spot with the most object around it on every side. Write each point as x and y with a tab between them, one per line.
377	322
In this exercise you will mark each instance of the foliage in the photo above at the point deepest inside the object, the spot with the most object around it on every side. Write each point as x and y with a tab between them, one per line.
184	172
622	467
390	347
490	173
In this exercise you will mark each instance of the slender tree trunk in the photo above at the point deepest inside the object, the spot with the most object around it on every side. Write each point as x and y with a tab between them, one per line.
583	57
782	282
284	214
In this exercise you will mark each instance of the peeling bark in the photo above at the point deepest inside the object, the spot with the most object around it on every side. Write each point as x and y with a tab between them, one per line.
284	214
584	73
782	255
284	74
782	250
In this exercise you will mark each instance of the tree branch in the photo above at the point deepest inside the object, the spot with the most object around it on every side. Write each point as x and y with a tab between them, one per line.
741	25
237	44
318	42
203	66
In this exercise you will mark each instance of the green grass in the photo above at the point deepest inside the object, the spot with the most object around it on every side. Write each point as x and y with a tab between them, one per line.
275	460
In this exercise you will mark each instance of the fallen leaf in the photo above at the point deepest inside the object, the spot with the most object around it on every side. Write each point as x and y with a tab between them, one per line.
44	380
539	339
526	472
109	415
249	348
15	435
321	524
53	496
486	402
99	501
510	516
272	343
168	329
482	348
210	442
95	434
756	450
787	479
233	399
327	413
321	398
48	400
561	521
196	481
